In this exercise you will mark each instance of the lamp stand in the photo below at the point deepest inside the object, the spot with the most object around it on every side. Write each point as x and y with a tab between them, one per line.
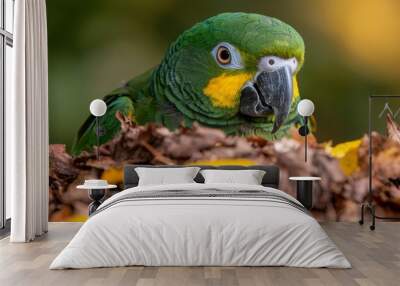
303	131
97	138
305	138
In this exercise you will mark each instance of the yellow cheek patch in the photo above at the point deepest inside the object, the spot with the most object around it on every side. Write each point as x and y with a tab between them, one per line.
224	89
296	92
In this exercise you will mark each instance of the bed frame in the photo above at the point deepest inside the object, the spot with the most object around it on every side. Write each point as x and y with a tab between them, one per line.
271	177
131	179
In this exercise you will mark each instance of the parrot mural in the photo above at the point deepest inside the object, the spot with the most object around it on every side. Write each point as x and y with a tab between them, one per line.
233	71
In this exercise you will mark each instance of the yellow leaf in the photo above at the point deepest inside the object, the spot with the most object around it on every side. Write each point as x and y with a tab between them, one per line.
77	218
347	154
222	162
113	175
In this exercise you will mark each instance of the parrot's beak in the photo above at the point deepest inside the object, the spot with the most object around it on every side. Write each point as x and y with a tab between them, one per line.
269	93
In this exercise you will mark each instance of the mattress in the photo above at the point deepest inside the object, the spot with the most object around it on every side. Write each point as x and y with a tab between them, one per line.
201	225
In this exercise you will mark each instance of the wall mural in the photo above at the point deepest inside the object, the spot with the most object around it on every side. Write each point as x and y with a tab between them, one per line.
225	93
235	72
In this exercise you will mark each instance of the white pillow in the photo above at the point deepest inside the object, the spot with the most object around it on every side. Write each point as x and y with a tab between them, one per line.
248	177
166	176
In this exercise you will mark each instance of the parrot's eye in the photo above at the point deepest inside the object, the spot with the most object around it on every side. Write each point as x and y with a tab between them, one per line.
227	56
223	55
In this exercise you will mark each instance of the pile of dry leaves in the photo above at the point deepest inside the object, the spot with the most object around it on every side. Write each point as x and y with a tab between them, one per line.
343	168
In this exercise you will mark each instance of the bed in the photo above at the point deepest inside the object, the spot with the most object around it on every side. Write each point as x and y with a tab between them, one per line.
198	224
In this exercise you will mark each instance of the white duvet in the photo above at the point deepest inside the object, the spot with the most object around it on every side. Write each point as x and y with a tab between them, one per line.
204	231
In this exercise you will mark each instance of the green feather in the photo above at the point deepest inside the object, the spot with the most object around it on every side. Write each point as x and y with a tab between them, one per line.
87	136
124	99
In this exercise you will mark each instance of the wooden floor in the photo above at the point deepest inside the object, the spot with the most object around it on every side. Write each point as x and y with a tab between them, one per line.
375	257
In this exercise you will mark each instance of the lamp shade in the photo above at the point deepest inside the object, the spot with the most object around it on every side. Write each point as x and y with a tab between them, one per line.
98	107
305	107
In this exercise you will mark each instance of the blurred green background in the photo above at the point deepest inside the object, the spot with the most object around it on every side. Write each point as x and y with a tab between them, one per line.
352	51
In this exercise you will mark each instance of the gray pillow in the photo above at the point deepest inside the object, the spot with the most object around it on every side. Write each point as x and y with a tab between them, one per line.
166	176
248	177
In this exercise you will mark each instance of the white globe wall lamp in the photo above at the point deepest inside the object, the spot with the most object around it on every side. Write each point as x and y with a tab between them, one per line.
98	108
306	109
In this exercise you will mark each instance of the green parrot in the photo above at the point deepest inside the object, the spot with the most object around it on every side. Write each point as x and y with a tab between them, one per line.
233	71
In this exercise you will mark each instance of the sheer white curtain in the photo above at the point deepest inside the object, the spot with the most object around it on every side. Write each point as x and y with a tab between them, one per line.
27	124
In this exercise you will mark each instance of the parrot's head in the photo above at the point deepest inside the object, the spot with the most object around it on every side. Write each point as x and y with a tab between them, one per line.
235	70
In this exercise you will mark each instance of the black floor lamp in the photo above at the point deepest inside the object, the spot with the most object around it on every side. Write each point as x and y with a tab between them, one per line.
369	206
